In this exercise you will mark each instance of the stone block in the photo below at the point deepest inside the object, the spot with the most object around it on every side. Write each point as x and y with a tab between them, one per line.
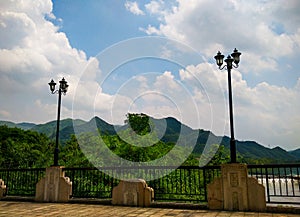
215	194
235	186
3	189
256	195
54	187
234	190
132	193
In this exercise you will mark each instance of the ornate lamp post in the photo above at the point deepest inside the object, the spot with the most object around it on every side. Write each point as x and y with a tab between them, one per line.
63	87
233	58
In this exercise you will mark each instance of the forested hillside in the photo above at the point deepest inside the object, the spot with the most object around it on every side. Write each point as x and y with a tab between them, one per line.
20	148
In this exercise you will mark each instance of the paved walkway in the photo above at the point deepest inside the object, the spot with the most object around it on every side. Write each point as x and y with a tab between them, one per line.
11	208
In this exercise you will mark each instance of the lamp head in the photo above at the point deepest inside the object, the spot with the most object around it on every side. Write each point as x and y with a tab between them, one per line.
229	61
219	59
66	89
63	85
52	85
236	56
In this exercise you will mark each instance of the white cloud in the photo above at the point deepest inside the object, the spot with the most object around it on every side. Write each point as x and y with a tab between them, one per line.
265	113
269	113
32	51
268	35
166	81
246	25
133	7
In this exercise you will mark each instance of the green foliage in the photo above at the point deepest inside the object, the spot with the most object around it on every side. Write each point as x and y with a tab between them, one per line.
139	123
23	149
135	153
72	156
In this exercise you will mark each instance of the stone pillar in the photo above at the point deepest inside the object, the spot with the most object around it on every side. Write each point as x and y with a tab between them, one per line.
234	178
2	189
54	187
234	190
132	193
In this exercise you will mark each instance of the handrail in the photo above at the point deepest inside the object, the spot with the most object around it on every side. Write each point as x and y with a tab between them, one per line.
185	183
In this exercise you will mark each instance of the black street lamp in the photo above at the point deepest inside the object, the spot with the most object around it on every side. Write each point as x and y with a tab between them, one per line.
234	57
63	87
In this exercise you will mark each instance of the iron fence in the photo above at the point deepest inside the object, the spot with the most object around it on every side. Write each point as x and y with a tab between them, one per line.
282	182
90	183
186	183
21	182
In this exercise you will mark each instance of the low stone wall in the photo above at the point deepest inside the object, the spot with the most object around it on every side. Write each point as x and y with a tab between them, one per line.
132	193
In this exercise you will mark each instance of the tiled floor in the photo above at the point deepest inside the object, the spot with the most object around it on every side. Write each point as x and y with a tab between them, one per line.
12	208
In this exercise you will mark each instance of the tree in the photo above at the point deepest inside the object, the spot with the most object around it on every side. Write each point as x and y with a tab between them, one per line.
72	156
24	149
139	123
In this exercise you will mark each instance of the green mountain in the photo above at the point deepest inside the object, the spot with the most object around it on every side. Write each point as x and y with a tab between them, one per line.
253	150
65	128
23	126
296	153
168	130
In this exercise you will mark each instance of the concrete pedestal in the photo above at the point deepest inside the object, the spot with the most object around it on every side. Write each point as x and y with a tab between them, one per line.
54	187
234	190
2	189
132	193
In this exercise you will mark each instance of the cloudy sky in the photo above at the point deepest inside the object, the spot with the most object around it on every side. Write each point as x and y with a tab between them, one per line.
155	57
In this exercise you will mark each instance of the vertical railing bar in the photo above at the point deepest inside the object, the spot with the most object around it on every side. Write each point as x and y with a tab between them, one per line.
261	175
204	183
81	181
267	184
298	177
292	181
170	183
279	181
190	180
74	181
8	181
196	186
274	186
251	173
89	186
256	174
286	182
185	181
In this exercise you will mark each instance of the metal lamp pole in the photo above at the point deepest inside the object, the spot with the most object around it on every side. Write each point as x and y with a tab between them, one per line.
63	87
234	57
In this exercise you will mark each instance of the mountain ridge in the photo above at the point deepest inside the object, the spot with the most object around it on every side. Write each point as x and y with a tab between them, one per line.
173	128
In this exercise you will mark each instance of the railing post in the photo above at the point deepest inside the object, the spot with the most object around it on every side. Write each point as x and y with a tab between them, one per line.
204	183
267	185
292	181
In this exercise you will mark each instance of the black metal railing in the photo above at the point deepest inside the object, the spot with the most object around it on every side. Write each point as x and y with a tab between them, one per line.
282	182
90	183
186	183
182	184
21	182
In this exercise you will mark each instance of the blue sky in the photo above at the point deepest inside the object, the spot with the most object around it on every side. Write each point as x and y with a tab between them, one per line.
95	25
155	57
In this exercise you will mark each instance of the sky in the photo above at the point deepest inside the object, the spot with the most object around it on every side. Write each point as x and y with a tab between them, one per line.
155	57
